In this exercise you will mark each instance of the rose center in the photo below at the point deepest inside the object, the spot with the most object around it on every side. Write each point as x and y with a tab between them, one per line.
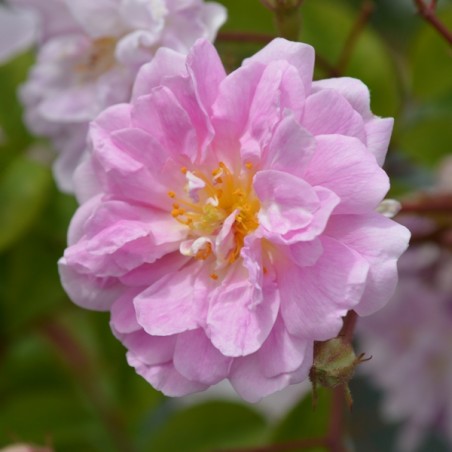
99	59
211	199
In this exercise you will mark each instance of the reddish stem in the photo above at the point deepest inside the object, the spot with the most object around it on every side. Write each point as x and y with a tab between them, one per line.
429	204
367	9
349	325
77	360
428	13
335	429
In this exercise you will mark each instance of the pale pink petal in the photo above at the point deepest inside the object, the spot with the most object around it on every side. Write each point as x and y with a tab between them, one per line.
123	318
265	110
198	360
18	30
380	241
327	112
281	352
87	290
214	15
135	167
287	202
87	13
175	303
379	132
315	298
207	72
300	55
147	274
354	90
231	109
252	385
236	325
291	147
165	64
160	114
306	254
151	350
119	238
165	377
343	165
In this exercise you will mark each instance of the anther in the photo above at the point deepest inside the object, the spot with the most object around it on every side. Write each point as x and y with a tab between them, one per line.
214	276
171	194
184	170
248	165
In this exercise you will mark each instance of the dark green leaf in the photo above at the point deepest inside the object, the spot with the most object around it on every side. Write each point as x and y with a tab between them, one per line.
24	189
209	426
305	421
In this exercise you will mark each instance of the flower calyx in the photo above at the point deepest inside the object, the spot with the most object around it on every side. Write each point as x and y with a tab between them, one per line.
334	364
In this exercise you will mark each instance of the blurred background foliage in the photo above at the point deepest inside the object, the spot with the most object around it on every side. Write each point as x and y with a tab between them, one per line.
64	381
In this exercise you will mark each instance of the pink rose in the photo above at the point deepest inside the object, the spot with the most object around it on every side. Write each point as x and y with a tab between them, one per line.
228	221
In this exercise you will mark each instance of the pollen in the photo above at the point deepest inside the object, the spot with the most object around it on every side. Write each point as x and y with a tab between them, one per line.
206	208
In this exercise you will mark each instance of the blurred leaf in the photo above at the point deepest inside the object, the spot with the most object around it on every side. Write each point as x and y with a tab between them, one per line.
209	426
431	61
14	137
326	25
304	421
427	135
248	16
31	285
41	403
24	189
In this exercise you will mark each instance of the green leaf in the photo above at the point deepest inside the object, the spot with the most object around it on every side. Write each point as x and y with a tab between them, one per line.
304	421
249	16
431	61
24	189
326	25
14	136
244	17
209	426
426	136
42	403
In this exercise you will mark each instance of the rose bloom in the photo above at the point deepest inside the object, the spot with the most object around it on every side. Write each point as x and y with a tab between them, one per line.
17	32
228	221
89	55
410	342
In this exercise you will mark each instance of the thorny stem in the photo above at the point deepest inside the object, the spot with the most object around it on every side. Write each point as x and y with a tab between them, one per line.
359	25
428	13
75	357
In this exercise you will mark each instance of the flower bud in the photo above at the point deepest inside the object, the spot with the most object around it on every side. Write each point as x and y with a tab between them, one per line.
335	362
